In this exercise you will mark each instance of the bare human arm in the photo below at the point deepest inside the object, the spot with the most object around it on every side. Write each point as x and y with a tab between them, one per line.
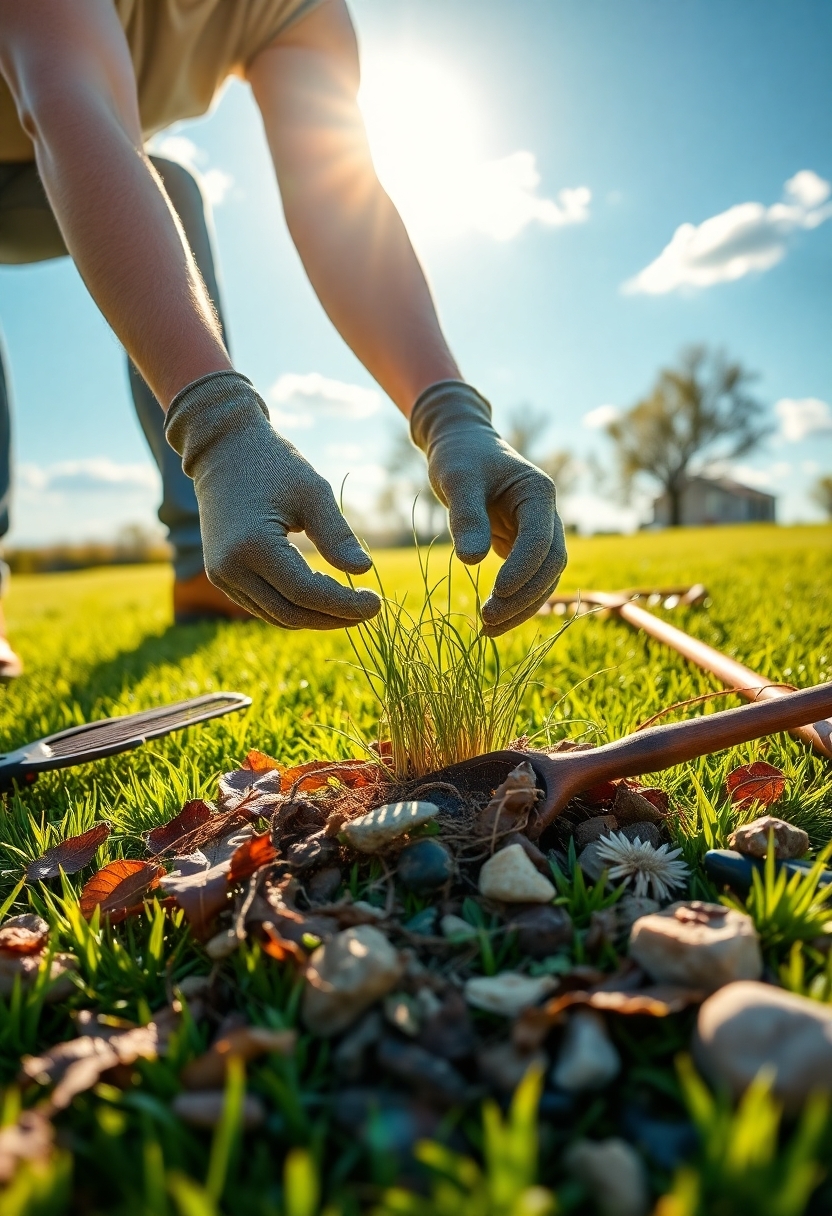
69	70
361	263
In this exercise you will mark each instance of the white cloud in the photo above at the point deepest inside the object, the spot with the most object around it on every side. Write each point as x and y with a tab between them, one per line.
99	474
747	237
215	182
426	129
298	400
601	417
801	417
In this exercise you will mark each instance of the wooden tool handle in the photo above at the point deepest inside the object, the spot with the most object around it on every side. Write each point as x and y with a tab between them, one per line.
749	684
662	747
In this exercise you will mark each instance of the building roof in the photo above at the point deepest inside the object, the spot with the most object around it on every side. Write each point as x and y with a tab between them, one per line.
729	487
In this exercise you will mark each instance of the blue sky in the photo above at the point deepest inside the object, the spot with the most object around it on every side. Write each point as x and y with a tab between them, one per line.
546	155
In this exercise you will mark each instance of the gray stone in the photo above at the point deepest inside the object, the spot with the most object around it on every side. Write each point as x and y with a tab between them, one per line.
542	929
752	839
594	829
511	877
425	865
345	976
613	1173
373	831
587	1057
603	929
430	1076
507	993
456	929
313	852
591	863
447	1030
423	922
503	1067
697	944
323	884
746	1026
646	832
631	908
632	807
352	1050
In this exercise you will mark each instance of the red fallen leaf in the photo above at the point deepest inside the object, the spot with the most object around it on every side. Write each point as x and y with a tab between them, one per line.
119	888
192	816
600	794
250	856
70	855
352	773
24	934
281	948
757	782
657	797
261	762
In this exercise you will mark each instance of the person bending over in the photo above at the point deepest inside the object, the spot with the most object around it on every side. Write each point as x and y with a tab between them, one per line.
85	83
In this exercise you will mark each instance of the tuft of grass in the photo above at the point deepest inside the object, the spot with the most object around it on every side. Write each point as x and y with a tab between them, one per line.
787	909
444	690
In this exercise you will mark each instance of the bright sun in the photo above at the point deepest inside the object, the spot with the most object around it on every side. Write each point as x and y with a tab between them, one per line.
424	135
426	131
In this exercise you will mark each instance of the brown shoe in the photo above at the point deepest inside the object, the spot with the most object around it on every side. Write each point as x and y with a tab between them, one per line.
11	664
197	599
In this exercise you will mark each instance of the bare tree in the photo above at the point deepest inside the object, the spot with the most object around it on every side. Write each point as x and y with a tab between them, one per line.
822	494
698	412
409	484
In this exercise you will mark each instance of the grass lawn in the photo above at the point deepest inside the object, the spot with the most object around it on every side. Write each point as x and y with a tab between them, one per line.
102	642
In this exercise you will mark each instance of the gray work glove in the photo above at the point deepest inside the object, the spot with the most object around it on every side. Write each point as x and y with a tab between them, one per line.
253	487
494	498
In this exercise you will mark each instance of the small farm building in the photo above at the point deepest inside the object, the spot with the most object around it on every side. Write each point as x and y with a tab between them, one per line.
716	500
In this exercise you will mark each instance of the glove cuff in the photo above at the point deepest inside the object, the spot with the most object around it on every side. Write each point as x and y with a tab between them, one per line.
446	406
216	406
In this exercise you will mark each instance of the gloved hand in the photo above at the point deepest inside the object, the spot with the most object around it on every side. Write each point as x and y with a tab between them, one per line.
253	487
494	497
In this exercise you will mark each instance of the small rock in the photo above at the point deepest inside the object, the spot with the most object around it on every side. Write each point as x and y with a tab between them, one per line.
456	929
508	993
386	1123
351	1051
425	865
603	929
371	832
631	908
752	839
697	944
193	987
746	1025
594	829
511	877
430	1076
423	922
203	1108
538	859
503	1067
323	884
591	862
587	1058
632	807
542	930
402	1011
314	851
447	1031
646	832
345	976
367	909
613	1173
223	945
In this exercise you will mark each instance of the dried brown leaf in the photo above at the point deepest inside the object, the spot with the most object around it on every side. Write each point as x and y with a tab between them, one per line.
118	889
70	855
250	856
29	1139
201	896
261	762
757	782
315	775
24	934
283	949
247	1043
192	816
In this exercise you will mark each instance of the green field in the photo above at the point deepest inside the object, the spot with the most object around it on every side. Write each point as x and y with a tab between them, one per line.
102	642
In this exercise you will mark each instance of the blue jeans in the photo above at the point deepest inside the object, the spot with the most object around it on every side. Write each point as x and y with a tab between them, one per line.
29	233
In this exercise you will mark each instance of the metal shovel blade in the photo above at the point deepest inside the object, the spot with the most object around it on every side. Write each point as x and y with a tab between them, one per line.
95	740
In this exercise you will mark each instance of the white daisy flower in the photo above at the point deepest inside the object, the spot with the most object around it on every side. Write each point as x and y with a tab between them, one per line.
648	866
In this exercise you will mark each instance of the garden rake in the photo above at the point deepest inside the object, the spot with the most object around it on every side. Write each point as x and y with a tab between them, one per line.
747	683
95	740
563	775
